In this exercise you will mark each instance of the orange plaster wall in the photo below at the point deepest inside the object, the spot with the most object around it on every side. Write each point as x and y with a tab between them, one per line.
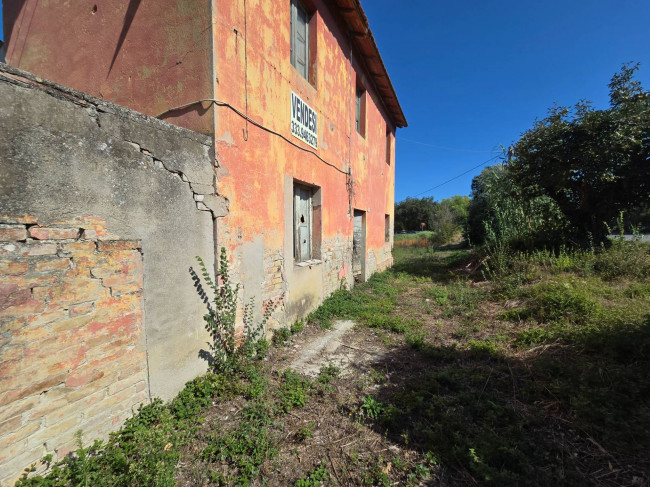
164	59
254	51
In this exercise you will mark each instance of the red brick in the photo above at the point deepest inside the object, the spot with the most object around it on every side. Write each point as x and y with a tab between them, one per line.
8	267
99	384
9	233
39	248
127	303
105	361
83	376
34	388
28	281
110	245
114	326
67	359
21	433
47	316
11	425
30	334
72	291
20	304
10	448
71	323
19	462
44	233
10	367
124	383
65	412
136	367
57	430
79	246
17	408
11	352
52	265
48	407
81	309
25	219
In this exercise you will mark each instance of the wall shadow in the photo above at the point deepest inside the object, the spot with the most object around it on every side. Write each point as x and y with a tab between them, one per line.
558	415
440	265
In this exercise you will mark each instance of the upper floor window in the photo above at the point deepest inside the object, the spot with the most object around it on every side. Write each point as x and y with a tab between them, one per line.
389	147
360	111
300	38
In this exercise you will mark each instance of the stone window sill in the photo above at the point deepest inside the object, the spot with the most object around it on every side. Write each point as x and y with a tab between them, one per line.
309	263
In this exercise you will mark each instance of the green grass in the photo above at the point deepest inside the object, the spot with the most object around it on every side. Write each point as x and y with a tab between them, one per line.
538	376
410	236
147	448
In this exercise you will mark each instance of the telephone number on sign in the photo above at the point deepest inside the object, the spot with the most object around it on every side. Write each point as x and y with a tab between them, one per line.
303	134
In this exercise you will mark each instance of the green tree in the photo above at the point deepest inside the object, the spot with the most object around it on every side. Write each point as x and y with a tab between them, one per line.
450	217
411	212
500	213
592	163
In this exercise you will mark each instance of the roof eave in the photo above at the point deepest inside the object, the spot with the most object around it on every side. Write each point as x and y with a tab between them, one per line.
364	41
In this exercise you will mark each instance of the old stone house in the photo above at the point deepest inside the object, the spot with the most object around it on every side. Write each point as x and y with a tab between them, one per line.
290	164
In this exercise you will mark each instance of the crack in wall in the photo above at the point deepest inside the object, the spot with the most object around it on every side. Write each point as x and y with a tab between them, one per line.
214	203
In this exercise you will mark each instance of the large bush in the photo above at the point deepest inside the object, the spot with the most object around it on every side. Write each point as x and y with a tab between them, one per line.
500	213
591	163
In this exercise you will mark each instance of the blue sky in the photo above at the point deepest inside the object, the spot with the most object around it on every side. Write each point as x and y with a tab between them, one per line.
474	75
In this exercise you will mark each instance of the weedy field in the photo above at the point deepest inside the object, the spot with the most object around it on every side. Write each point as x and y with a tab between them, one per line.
513	370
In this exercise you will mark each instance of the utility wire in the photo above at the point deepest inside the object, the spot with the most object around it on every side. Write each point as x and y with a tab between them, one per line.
220	103
462	174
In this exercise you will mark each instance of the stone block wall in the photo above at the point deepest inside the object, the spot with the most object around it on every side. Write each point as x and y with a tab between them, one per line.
72	350
81	297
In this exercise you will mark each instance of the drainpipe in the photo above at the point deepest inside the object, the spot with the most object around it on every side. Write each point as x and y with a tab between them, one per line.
213	83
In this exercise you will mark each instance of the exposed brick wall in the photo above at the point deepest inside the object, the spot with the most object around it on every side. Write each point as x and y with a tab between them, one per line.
337	262
72	352
274	287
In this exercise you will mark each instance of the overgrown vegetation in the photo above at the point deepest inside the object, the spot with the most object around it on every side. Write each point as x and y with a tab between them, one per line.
570	176
536	375
442	220
227	349
522	362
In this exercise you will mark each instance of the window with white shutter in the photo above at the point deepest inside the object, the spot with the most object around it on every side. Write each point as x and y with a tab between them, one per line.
360	111
300	38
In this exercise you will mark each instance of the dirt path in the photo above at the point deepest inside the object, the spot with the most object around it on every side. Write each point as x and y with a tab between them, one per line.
343	345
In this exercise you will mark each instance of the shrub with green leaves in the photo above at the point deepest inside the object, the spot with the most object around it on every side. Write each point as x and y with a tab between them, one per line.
227	349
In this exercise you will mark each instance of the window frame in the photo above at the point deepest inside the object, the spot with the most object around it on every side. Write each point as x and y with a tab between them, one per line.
360	110
389	145
387	227
299	7
311	195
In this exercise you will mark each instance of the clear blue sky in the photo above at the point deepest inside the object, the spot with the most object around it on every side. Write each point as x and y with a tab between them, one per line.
474	75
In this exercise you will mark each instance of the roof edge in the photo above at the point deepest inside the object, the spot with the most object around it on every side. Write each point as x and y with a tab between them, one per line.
363	39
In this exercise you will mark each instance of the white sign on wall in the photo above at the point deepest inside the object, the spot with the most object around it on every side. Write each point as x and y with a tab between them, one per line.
304	121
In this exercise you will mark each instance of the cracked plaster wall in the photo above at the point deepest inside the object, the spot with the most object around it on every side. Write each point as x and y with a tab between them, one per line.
66	155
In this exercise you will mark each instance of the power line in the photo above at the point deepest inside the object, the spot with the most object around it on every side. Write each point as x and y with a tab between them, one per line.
220	103
462	174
